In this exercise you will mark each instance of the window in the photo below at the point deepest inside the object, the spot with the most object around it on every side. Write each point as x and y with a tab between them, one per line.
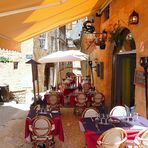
15	65
43	41
69	26
52	43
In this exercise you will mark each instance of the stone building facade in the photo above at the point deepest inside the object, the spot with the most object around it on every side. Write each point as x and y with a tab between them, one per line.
16	74
45	44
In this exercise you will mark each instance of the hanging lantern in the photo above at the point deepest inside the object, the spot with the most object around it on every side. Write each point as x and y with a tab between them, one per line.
134	18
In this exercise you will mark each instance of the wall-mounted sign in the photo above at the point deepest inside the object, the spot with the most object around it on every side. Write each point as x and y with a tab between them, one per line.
139	78
29	56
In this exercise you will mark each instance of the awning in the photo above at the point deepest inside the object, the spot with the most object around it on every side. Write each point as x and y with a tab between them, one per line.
23	19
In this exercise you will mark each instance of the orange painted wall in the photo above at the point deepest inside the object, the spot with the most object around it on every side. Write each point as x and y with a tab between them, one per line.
120	11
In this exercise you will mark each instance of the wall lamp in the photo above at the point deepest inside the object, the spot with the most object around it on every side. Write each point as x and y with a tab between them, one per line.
101	37
99	68
134	18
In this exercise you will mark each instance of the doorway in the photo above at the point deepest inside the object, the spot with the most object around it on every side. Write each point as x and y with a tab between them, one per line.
123	70
123	79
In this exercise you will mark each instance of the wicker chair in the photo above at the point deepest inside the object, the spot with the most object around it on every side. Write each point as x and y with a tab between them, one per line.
41	131
86	87
141	140
97	100
118	111
80	103
53	102
90	112
112	138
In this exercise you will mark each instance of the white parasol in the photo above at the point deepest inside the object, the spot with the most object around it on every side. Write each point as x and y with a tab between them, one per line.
63	56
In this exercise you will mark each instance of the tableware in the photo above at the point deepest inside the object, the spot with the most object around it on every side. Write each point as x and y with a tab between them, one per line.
130	118
97	120
136	115
113	120
54	111
97	127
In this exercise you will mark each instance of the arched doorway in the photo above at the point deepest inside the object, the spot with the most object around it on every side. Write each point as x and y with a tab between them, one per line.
123	70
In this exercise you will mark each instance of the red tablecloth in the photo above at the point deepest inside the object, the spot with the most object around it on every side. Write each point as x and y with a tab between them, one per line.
58	128
91	137
68	92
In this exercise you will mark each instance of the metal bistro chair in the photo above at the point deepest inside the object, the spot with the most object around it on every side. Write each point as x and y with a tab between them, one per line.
41	131
97	100
112	138
80	105
141	140
118	111
53	102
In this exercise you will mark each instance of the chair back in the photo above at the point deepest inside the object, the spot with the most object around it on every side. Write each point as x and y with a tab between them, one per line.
90	112
118	111
53	99
86	87
81	98
98	98
41	126
142	139
112	138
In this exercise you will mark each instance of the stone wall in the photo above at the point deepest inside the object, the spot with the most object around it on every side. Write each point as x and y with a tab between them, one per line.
19	79
55	40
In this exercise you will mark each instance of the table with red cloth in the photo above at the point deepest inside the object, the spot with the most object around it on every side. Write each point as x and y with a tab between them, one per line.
92	133
69	90
61	96
72	98
55	117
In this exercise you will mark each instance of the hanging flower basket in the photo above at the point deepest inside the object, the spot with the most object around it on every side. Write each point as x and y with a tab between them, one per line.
116	37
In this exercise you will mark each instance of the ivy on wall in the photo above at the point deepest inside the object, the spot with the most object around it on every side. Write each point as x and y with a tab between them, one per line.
4	60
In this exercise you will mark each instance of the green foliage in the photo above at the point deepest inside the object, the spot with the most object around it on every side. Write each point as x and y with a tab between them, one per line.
4	60
115	35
